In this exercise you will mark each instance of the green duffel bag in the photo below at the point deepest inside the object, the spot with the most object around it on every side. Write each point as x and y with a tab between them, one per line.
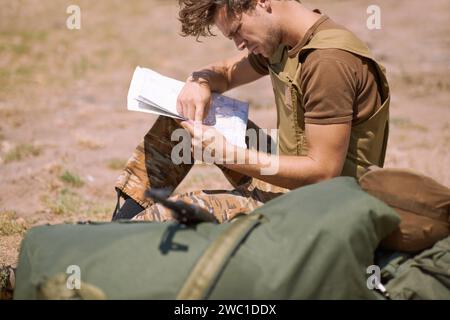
315	242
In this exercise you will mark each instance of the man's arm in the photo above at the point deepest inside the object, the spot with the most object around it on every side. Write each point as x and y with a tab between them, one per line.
195	97
327	150
228	74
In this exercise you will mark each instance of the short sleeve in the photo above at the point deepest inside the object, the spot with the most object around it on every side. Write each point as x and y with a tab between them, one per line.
329	89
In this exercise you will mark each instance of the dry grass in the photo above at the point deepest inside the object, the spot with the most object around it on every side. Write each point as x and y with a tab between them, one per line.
72	179
407	124
66	202
100	211
90	144
21	152
71	205
116	164
10	224
62	198
424	83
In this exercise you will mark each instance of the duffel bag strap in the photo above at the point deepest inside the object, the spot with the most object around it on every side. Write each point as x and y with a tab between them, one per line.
209	266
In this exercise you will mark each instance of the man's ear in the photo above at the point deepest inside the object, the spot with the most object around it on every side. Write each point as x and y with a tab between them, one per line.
265	4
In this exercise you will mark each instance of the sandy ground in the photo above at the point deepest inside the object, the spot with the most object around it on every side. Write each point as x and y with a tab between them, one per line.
65	132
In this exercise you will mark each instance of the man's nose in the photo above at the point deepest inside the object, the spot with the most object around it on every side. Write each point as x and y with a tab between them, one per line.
240	43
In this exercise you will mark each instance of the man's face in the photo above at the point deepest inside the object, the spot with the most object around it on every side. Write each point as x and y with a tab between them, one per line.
253	30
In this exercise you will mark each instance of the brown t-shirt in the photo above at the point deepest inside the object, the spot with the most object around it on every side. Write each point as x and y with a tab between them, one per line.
338	86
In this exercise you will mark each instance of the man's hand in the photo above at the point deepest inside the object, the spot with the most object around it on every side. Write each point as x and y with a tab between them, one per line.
195	98
208	144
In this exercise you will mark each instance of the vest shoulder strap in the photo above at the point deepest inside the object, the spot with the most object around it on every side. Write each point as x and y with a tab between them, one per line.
338	39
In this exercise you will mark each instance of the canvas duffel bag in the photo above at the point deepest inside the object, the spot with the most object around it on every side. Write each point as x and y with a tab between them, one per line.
315	242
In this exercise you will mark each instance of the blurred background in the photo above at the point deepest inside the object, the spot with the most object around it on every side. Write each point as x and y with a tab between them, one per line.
65	133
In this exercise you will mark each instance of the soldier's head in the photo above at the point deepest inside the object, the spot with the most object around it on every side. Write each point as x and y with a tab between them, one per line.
250	23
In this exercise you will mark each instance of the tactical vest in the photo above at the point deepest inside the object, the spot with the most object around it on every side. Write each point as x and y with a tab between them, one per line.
368	139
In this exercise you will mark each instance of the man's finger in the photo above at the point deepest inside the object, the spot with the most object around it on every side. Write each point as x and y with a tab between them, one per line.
202	113
199	111
188	125
191	112
185	111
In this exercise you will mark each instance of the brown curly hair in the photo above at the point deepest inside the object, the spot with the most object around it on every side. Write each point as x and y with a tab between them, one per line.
197	16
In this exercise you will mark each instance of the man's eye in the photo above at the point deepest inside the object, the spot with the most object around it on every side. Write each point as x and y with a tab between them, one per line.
233	33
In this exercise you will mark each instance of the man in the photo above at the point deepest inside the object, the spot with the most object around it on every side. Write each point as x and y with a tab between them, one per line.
332	103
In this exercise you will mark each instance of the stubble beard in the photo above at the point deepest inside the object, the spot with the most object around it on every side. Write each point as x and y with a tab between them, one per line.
273	41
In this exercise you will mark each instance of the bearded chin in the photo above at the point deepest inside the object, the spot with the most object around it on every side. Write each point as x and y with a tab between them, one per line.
270	49
272	44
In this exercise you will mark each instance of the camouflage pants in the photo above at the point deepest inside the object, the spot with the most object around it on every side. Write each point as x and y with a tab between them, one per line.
151	166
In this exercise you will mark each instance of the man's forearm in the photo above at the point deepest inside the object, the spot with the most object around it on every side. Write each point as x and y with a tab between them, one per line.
227	74
215	76
290	171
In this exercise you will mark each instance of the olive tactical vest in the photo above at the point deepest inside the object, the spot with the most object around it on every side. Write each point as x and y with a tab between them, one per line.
368	139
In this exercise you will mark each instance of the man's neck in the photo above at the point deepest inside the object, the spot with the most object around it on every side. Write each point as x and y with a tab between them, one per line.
294	19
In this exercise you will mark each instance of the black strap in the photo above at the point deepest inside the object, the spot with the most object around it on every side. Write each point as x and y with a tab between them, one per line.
116	210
